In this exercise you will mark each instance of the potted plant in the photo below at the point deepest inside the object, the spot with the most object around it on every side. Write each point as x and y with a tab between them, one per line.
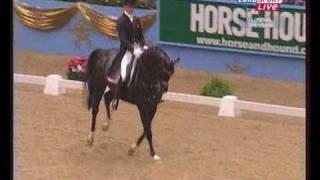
76	68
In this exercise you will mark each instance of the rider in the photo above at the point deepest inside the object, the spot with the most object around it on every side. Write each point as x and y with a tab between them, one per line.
132	44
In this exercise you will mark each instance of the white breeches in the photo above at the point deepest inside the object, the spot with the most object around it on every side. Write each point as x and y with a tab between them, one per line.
127	59
124	63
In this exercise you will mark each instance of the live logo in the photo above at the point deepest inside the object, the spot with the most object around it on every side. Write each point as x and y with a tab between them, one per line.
267	7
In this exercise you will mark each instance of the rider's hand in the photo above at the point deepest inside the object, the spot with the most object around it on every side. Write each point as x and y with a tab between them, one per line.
145	47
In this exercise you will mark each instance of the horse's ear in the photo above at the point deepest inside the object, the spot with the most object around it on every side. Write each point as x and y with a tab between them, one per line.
176	60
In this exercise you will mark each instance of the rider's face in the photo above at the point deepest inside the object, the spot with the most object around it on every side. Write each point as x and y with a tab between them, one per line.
129	9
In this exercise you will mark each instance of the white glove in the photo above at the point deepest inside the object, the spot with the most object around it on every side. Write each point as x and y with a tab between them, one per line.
145	47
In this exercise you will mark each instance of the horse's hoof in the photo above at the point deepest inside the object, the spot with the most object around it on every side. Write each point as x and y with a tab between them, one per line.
156	157
105	126
132	149
131	152
90	139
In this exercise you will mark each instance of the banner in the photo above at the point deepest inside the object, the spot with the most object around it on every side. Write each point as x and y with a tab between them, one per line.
50	19
233	27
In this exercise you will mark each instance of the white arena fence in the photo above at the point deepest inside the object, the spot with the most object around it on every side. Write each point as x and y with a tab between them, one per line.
228	106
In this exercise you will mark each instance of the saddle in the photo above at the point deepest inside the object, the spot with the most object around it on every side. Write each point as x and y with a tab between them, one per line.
127	69
128	64
123	68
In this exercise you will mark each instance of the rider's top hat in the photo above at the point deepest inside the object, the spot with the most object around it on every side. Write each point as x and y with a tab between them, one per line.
129	2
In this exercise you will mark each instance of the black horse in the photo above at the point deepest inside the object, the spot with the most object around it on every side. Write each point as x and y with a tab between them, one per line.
149	81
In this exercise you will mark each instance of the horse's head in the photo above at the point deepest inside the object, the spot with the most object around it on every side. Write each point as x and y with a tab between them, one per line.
167	71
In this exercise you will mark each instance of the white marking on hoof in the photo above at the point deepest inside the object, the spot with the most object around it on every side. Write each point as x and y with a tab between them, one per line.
156	157
133	146
90	139
132	149
105	126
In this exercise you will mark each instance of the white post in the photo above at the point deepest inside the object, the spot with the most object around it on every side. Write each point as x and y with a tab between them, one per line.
228	107
52	85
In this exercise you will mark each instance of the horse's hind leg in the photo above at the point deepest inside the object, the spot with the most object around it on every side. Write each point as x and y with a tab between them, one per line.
98	92
107	100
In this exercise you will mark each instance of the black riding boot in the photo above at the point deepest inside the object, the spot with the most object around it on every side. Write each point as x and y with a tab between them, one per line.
115	101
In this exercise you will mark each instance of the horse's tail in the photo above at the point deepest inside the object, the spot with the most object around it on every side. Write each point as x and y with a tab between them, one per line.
89	85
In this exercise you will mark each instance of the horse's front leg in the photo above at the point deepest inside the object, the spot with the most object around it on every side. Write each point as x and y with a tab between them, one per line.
147	113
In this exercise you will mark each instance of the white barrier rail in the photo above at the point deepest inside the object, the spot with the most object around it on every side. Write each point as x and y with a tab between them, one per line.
30	79
194	99
270	108
229	105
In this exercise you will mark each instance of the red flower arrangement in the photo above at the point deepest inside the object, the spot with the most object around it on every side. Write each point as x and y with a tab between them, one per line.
76	68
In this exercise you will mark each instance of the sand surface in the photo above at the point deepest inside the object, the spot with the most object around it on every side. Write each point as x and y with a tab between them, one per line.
194	143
